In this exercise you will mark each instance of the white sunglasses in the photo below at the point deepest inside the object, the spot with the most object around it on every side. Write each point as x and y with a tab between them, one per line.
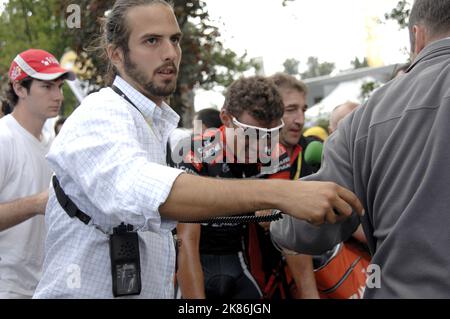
261	132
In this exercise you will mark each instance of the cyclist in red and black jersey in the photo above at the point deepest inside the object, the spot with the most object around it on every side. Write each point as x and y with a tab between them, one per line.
211	258
299	280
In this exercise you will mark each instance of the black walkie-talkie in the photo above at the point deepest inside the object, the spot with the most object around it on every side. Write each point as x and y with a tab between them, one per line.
125	261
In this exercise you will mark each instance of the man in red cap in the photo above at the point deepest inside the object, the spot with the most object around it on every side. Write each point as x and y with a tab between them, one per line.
35	94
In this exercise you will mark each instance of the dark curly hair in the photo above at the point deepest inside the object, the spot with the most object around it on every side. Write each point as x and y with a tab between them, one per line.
209	117
256	95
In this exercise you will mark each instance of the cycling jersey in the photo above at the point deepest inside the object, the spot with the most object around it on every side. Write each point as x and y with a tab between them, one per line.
222	247
206	157
264	258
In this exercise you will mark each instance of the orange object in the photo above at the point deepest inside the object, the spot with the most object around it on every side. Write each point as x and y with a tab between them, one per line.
345	273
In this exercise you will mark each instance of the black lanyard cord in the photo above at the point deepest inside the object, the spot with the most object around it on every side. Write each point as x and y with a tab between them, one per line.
124	96
276	215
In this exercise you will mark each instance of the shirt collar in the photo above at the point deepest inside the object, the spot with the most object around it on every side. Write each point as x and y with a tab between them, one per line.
436	48
146	106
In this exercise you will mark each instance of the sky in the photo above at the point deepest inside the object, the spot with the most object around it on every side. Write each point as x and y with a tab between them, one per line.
332	30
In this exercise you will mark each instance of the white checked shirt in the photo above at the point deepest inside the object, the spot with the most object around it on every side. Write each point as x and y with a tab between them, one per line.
111	162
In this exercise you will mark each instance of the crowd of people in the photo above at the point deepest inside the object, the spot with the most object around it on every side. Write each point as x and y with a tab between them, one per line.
114	205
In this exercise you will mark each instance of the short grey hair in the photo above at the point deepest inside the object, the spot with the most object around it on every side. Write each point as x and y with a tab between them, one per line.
434	15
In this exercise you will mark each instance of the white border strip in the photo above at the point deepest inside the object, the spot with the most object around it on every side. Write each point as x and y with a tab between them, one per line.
37	75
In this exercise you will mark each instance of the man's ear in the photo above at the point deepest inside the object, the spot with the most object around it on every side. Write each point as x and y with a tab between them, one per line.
421	39
116	56
20	91
226	118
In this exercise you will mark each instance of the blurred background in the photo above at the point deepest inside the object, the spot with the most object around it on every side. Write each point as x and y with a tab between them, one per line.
343	50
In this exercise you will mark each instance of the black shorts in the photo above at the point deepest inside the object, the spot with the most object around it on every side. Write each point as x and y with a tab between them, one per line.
227	277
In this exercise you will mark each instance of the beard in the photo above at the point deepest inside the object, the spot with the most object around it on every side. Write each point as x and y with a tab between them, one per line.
150	88
289	141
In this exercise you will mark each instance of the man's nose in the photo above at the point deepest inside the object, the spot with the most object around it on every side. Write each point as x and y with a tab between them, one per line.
170	51
300	118
58	94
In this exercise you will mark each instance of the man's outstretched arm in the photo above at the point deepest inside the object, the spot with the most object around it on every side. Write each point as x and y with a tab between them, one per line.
337	166
194	198
18	211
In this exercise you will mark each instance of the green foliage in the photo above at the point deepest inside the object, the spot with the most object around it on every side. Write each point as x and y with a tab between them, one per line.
70	101
316	68
30	23
42	24
357	64
205	62
400	13
291	66
367	88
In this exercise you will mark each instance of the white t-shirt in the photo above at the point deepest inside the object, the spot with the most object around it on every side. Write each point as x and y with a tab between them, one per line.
23	172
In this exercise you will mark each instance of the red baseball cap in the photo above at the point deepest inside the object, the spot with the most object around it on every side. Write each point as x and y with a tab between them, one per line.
37	64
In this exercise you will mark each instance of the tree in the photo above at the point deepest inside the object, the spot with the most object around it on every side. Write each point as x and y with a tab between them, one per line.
42	23
357	64
291	66
367	88
400	13
206	63
28	24
316	68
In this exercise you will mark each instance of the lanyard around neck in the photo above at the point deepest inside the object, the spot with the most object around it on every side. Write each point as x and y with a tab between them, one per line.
299	165
124	96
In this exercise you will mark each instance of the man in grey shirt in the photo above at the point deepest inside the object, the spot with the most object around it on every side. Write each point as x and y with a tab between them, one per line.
393	152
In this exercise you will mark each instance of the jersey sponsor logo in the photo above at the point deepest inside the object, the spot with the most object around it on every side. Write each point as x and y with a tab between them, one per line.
193	160
212	152
225	168
189	170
